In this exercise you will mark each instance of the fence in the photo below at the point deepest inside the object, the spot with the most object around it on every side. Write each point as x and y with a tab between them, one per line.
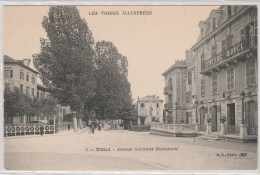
16	130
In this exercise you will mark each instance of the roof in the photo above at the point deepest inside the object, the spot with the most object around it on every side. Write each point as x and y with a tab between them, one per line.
9	60
178	64
149	98
43	88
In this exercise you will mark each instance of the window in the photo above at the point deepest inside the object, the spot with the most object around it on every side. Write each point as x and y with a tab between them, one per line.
214	51
157	105
214	23
250	72
244	33
32	91
33	80
189	78
38	95
21	87
8	73
142	105
188	97
64	111
230	79
203	88
21	75
60	110
214	84
27	78
229	11
27	90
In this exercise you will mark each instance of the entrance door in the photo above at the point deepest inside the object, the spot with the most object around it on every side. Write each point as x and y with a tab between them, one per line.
202	116
214	121
251	117
231	114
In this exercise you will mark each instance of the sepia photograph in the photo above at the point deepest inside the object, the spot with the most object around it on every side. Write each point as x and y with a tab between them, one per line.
130	88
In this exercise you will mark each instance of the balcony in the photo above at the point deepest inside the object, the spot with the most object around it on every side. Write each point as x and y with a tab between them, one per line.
168	106
229	56
168	90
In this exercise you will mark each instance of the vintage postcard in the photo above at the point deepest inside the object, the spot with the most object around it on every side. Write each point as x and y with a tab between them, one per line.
140	88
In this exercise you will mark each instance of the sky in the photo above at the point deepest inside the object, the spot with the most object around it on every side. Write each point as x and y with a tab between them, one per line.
151	43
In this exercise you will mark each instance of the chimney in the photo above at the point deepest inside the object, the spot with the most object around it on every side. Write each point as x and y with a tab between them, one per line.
189	57
26	62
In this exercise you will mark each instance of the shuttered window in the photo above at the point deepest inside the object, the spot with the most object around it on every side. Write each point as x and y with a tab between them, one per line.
230	79
250	72
214	84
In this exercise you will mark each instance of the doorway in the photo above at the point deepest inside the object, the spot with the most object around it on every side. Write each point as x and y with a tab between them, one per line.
231	114
214	121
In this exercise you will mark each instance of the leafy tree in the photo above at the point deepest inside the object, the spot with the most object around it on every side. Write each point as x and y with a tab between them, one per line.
113	89
16	103
65	62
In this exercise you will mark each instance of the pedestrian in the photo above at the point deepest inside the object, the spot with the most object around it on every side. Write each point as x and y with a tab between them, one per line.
68	127
41	129
93	128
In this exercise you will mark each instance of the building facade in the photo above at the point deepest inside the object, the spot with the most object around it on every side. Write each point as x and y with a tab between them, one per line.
221	83
17	73
226	62
149	109
175	91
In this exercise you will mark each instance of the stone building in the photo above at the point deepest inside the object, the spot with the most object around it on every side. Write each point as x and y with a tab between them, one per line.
175	91
225	65
17	73
149	109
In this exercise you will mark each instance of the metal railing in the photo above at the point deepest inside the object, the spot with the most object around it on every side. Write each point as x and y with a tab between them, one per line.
232	129
168	105
202	128
16	130
252	130
230	52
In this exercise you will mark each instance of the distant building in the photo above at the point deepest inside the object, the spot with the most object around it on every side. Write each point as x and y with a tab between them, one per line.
175	91
150	109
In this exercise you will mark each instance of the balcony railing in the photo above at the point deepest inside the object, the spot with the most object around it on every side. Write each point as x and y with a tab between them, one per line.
168	106
230	53
232	129
168	90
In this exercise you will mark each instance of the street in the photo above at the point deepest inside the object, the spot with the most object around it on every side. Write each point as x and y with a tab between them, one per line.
125	150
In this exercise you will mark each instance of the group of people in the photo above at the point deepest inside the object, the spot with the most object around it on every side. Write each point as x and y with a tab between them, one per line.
92	127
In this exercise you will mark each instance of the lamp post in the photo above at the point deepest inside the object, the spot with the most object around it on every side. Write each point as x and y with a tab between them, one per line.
176	105
242	95
196	106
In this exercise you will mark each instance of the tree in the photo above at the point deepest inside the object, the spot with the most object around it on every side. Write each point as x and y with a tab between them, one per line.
113	93
65	62
16	103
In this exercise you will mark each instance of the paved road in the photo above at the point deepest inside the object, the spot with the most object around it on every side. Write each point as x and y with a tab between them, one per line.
125	150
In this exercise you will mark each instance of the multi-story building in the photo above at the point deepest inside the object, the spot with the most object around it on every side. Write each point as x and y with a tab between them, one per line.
226	68
17	73
174	91
149	109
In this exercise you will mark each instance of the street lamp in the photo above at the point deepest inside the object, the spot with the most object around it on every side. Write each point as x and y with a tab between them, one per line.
196	105
176	105
242	95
